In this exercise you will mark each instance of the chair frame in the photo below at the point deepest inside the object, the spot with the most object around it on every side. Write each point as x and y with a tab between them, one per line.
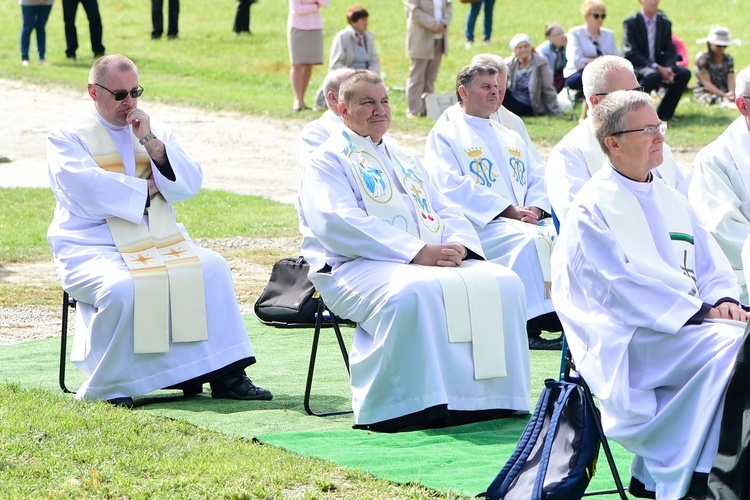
567	367
322	310
67	303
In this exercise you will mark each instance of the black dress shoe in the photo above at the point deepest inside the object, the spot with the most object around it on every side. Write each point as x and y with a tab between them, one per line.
124	402
542	344
239	386
638	489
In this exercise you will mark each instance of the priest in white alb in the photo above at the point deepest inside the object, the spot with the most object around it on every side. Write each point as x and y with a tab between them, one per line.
578	156
153	309
487	171
440	332
649	305
317	131
720	189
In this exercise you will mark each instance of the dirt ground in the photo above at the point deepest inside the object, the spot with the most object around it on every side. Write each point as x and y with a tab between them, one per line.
239	153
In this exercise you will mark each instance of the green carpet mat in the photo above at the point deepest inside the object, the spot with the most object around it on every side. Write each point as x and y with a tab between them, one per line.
464	459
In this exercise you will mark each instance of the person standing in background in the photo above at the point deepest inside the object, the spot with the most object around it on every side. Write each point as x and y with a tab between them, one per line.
426	42
242	18
157	18
471	21
70	7
35	14
305	38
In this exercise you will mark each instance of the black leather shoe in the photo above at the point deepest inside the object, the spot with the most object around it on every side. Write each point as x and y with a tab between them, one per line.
239	386
124	402
542	344
638	489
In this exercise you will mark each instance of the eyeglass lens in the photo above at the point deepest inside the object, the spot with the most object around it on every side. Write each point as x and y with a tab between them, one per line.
596	15
120	95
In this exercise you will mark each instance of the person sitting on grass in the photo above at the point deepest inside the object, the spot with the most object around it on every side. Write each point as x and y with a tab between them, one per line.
714	70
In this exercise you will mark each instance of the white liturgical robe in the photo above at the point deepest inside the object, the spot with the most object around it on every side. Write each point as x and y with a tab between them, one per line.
316	132
578	156
401	359
660	380
93	272
720	192
502	242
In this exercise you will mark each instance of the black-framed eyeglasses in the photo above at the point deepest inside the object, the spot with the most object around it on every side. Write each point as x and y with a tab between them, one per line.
639	88
120	95
596	15
649	131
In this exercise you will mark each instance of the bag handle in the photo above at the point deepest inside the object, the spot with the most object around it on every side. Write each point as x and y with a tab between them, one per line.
565	390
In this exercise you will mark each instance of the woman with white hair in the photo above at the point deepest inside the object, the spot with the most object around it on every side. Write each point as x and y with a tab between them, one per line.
530	89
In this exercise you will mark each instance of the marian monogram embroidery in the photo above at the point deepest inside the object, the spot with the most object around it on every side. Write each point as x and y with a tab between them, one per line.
517	168
481	167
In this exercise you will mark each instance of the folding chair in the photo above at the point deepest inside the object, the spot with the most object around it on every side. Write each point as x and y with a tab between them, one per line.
323	311
68	303
567	368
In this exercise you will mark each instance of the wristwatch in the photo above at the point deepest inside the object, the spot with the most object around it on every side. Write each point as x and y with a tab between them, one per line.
146	138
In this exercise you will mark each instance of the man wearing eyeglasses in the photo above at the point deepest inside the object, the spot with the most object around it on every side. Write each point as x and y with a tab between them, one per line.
154	310
647	43
649	305
578	156
720	190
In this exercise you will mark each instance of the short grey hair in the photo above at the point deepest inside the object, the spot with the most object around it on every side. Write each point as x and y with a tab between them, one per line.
492	60
610	116
742	85
334	78
595	73
112	62
469	73
349	85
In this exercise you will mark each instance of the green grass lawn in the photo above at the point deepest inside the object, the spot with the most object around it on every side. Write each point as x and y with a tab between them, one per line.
210	68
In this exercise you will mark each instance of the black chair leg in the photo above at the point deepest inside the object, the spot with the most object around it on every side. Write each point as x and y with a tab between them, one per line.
313	356
67	303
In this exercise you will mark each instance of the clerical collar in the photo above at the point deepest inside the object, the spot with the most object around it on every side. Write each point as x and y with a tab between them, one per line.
648	179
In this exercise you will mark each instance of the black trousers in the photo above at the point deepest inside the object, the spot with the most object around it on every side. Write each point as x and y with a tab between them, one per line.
650	79
70	7
242	18
157	18
730	474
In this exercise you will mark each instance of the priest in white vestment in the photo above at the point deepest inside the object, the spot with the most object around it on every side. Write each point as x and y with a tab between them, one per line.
389	253
578	156
317	131
486	169
720	189
649	305
110	168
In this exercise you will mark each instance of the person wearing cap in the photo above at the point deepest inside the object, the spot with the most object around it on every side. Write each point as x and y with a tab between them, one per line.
714	69
530	86
720	189
647	43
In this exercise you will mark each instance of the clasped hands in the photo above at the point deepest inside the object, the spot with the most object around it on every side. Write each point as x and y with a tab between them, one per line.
530	215
441	255
728	310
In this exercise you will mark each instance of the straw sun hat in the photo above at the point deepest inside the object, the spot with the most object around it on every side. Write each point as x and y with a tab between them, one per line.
719	36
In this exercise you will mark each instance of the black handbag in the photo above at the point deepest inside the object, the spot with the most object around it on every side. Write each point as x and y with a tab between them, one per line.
289	299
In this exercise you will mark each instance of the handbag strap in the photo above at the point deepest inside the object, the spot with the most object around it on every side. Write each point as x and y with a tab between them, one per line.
565	390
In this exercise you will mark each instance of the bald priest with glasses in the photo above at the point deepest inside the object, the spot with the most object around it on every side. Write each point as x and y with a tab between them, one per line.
649	305
154	310
578	156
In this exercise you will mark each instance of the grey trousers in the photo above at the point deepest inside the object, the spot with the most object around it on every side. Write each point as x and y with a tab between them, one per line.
422	74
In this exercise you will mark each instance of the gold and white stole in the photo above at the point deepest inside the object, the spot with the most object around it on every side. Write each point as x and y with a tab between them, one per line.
478	161
474	313
627	221
379	194
167	274
583	137
506	119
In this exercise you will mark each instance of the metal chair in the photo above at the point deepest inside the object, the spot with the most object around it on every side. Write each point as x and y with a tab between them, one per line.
323	311
567	368
68	303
